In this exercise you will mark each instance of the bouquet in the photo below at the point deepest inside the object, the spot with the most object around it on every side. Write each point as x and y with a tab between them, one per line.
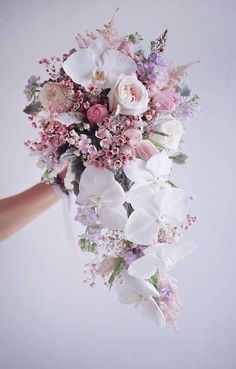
112	112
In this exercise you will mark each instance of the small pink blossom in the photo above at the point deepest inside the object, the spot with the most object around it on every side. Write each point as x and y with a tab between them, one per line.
84	143
96	113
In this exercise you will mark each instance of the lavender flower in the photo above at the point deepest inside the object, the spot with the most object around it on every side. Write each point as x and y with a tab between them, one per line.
153	69
86	215
31	87
186	109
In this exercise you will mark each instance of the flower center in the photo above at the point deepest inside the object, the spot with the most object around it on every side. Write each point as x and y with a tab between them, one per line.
99	75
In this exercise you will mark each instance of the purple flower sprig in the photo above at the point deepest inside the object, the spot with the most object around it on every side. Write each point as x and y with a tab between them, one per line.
31	88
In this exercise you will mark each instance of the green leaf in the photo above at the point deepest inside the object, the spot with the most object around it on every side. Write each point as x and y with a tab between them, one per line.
172	184
87	246
34	107
162	134
157	144
118	266
154	279
180	158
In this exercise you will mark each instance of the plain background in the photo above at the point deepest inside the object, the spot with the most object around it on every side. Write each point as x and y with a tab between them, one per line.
48	318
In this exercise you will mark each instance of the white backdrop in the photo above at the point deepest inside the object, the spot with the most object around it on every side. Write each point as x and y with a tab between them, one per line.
48	317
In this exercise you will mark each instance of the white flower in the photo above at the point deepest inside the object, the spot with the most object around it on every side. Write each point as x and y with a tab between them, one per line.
148	177
129	94
98	64
140	293
161	259
99	188
167	208
171	127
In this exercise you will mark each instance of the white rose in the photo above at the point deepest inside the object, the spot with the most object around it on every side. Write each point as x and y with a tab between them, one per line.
129	94
52	95
174	129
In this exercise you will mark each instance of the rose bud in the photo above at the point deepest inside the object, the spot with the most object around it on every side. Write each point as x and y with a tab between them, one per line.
127	150
96	113
146	149
165	101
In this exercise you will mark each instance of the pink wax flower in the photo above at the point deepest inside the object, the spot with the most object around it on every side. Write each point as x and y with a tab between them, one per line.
134	136
165	101
146	149
96	113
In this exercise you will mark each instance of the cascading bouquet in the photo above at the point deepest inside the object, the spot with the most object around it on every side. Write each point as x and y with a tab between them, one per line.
111	112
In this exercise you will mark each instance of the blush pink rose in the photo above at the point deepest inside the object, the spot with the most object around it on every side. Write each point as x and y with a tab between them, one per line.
134	135
146	149
54	96
96	113
165	101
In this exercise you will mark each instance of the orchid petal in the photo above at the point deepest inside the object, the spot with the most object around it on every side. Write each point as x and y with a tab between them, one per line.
144	267
113	217
175	253
173	204
116	63
141	228
159	164
98	47
79	66
151	309
140	192
136	171
100	182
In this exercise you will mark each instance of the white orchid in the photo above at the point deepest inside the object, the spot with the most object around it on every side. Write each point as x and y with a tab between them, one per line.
167	208
98	188
140	293
148	177
98	64
160	258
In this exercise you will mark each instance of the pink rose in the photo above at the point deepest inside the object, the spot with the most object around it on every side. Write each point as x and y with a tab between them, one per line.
129	95
165	101
146	149
96	113
134	135
53	95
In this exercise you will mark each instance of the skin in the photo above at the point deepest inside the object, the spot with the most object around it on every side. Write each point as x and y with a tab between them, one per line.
19	210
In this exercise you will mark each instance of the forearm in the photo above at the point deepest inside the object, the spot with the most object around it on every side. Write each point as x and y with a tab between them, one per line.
19	210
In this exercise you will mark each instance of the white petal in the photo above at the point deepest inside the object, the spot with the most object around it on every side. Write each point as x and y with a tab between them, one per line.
151	309
140	193
98	48
79	66
117	63
126	293
173	204
136	171
141	228
159	164
174	253
144	267
67	118
142	287
69	178
113	217
99	182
